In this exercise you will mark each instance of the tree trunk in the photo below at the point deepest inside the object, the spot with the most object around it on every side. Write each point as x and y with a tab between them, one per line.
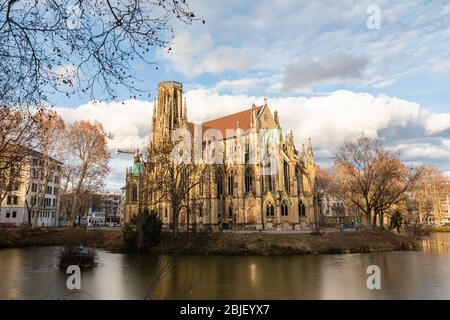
175	224
187	220
374	221
381	220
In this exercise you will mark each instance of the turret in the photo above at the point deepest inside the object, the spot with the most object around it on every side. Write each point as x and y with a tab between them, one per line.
303	154
275	116
254	116
185	111
310	152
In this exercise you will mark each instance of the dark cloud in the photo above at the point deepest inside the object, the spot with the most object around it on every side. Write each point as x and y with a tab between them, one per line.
336	67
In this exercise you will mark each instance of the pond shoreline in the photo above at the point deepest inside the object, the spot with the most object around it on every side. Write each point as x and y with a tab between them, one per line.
229	243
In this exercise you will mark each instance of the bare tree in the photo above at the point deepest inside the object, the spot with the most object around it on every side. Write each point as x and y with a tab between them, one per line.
49	138
371	178
426	196
17	138
79	46
85	164
172	178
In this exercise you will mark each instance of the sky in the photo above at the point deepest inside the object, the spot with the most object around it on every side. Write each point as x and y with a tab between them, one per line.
330	68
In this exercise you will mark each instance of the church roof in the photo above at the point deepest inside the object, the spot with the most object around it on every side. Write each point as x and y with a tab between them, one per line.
228	122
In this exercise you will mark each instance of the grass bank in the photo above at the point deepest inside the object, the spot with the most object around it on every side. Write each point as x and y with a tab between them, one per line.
219	243
284	244
110	240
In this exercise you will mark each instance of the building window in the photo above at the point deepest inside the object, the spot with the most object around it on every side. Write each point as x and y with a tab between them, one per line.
14	214
34	187
8	214
134	194
247	153
270	210
219	186
230	212
248	180
284	209
301	209
298	178
230	184
286	176
12	200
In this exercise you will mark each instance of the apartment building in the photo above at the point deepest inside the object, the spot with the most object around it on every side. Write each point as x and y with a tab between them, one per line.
28	199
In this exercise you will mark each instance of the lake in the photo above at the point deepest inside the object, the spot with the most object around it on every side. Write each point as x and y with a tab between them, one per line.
32	273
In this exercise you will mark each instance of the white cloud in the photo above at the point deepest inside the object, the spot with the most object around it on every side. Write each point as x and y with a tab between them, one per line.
192	55
425	151
129	123
437	122
328	119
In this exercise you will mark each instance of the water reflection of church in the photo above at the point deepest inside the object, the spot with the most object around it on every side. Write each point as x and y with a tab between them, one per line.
235	195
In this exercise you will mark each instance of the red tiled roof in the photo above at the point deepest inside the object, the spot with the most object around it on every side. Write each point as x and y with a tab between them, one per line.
226	122
230	121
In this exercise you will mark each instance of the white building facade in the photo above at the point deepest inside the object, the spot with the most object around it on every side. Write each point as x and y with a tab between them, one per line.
21	205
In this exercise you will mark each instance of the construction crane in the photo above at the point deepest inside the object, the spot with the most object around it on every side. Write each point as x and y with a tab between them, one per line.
135	152
127	151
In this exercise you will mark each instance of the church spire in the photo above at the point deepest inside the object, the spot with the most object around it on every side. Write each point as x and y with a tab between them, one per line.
310	151
303	153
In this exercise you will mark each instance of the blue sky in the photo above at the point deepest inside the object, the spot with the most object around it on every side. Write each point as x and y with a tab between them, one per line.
317	62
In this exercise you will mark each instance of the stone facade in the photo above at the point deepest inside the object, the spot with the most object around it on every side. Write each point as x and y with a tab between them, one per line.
246	190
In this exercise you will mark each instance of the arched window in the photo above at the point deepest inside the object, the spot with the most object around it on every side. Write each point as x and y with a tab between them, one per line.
270	182
134	194
248	180
301	209
298	178
247	153
286	175
230	184
270	210
284	209
219	186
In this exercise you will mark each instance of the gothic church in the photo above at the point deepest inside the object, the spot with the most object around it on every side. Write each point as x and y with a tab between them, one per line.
235	195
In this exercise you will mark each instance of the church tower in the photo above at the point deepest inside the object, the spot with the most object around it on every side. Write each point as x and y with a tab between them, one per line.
169	110
168	113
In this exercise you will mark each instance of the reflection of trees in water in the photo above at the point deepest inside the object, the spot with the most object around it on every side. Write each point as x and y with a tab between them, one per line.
435	245
174	278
